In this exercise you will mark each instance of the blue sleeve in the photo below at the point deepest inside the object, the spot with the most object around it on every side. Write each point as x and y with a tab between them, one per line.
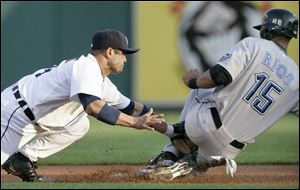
86	99
129	109
145	110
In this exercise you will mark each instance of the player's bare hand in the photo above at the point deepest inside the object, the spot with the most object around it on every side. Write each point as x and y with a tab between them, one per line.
190	74
148	119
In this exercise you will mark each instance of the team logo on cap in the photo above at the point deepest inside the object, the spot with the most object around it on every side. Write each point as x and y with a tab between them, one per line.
277	21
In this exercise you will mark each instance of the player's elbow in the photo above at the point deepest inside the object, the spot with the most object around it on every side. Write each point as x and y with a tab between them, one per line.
94	108
220	76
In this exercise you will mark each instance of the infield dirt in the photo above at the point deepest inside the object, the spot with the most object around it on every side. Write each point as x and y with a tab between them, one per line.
247	174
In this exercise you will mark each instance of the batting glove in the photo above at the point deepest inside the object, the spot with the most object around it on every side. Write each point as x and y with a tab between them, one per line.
230	164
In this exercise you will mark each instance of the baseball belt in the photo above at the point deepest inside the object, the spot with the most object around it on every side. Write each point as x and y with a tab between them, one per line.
23	104
218	123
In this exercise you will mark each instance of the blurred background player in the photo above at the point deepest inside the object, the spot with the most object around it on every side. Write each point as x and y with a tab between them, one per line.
203	31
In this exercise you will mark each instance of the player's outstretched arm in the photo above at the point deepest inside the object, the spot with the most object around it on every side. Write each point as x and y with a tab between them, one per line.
135	109
143	122
105	113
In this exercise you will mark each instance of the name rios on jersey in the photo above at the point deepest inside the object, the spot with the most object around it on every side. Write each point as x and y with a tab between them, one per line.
279	69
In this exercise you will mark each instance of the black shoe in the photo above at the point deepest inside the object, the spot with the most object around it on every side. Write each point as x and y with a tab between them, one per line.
19	165
164	159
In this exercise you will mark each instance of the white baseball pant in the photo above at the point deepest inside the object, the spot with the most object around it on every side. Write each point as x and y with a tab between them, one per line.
51	134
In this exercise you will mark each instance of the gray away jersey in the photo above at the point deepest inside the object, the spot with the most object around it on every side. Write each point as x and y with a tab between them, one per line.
265	87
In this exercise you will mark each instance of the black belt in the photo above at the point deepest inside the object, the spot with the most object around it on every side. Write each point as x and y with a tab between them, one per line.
22	103
218	124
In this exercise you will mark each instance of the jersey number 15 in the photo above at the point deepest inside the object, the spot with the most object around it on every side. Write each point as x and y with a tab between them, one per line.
260	98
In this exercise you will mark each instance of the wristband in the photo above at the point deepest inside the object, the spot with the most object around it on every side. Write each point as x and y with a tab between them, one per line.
145	110
192	84
129	109
108	114
170	131
179	127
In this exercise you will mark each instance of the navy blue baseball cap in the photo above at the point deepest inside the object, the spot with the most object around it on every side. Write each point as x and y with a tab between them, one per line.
111	38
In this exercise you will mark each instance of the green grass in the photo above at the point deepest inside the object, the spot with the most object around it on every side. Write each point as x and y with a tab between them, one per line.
139	186
110	145
278	145
105	144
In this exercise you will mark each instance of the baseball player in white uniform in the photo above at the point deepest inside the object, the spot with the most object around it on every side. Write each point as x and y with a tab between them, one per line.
46	111
251	87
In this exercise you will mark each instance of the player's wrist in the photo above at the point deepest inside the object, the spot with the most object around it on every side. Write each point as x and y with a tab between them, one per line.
108	115
169	131
192	83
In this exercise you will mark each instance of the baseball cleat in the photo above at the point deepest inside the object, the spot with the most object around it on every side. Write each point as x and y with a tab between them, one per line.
164	159
20	166
171	172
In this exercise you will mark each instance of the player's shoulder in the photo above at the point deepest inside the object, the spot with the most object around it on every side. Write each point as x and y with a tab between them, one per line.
86	62
253	40
254	43
84	59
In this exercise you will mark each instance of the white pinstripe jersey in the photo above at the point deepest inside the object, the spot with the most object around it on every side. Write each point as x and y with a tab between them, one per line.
47	89
264	87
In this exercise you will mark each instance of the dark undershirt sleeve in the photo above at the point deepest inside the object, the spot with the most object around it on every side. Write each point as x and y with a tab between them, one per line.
86	99
220	75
